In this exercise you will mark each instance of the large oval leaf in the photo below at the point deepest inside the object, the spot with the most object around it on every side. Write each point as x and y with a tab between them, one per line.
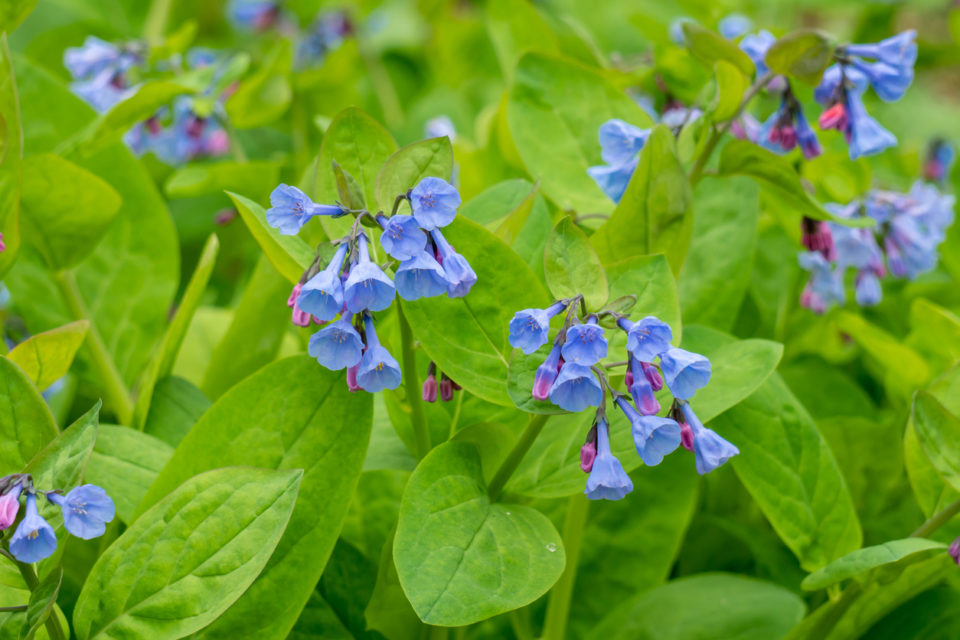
26	424
572	267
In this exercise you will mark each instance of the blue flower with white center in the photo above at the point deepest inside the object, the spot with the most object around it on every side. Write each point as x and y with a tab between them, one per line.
530	328
867	136
734	26
86	510
654	437
576	388
641	390
420	277
337	346
897	51
620	142
586	343
546	374
402	237
434	202
34	539
458	272
378	369
322	295
647	338
607	480
756	47
709	448
367	286
291	208
890	83
613	181
684	372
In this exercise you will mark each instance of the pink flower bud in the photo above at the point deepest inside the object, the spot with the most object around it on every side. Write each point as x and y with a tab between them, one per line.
430	388
588	453
352	378
9	506
686	436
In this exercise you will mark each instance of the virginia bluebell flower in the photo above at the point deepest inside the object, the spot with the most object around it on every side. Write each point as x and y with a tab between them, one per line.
868	291
86	510
322	295
756	47
710	450
620	142
647	338
420	277
866	136
653	436
94	56
588	452
613	181
102	91
576	388
447	388
402	237
675	115
684	371
434	202
825	286
10	506
734	25
641	390
787	128
3	246
378	369
816	236
586	343
291	208
367	286
652	375
546	373
325	34
940	157
337	346
530	328
892	70
607	480
256	15
99	71
459	274
34	539
190	136
299	317
746	127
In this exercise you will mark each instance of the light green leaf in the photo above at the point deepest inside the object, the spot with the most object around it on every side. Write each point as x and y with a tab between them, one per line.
151	96
13	12
515	28
62	462
461	559
709	47
11	137
938	431
177	404
654	215
389	611
253	177
26	424
731	83
291	255
265	95
934	332
649	278
46	357
405	168
870	559
572	266
901	369
803	54
42	601
216	533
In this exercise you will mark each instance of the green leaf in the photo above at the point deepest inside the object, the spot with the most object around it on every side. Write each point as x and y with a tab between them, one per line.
900	368
461	559
42	601
731	84
62	462
556	107
934	332
151	96
318	621
388	610
467	337
572	266
26	424
803	54
405	168
13	12
776	175
713	605
163	358
46	357
125	462
66	209
292	414
11	137
291	255
217	532
514	29
654	215
709	47
717	271
870	559
177	405
938	431
347	189
265	95
253	177
497	202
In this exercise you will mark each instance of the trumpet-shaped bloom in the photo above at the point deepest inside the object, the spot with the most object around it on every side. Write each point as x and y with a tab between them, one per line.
647	338
367	286
620	141
607	480
378	369
336	346
34	539
94	56
684	372
322	295
291	208
402	237
459	274
654	437
576	388
890	83
586	343
434	202
530	328
420	277
897	51
709	449
825	287
588	454
9	506
546	374
868	290
613	180
641	390
866	136
86	510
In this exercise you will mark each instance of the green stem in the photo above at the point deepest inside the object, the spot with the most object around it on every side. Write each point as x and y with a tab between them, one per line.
115	390
54	630
421	433
520	623
936	521
697	172
510	464
558	606
156	22
16	607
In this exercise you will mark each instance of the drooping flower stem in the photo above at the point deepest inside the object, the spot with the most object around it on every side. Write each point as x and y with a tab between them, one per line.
421	433
114	388
558	605
54	630
512	461
937	520
697	172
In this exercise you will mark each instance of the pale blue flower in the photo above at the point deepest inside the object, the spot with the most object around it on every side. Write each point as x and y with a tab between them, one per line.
434	202
607	480
337	346
684	372
86	510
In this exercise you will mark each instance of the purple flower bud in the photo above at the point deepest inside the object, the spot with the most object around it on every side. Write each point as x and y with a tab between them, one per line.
653	376
547	374
299	317
352	378
430	384
954	550
588	452
446	388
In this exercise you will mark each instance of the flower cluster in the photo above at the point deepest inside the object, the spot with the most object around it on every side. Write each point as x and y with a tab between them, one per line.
572	380
908	230
104	73
325	33
353	286
86	511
